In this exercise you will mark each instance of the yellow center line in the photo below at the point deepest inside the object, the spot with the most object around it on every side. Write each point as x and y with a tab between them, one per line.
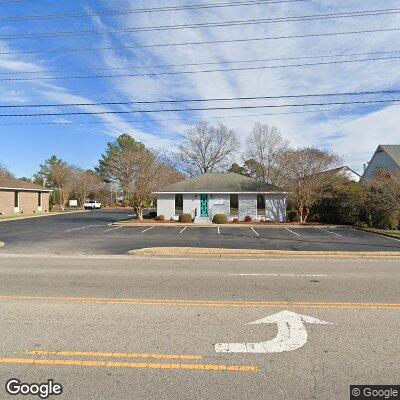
210	303
112	364
115	355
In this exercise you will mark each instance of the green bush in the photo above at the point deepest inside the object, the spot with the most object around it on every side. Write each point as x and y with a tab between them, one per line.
292	216
247	218
185	218
220	219
160	218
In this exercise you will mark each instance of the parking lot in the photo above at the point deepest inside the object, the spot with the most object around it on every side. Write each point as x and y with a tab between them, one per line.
94	233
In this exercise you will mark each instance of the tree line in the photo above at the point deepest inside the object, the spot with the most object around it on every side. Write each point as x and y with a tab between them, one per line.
129	172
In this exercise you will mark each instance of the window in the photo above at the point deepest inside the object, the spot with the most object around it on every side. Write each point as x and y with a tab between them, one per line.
178	204
39	199
234	204
260	204
16	199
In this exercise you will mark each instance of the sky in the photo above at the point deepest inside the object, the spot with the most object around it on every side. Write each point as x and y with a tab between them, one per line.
85	57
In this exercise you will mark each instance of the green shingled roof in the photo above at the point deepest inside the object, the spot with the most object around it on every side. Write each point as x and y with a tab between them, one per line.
393	150
219	182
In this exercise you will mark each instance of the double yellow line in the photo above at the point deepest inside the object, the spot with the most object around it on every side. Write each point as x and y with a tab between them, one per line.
210	303
122	364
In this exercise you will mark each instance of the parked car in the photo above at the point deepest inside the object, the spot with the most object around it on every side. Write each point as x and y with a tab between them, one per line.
92	205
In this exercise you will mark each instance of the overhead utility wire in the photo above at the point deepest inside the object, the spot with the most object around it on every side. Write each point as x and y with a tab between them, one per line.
196	109
202	42
145	10
202	63
290	96
352	14
47	78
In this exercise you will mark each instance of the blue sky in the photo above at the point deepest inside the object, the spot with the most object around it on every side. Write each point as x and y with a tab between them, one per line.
353	131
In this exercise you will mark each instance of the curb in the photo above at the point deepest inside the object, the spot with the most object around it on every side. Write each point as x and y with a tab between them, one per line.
48	214
188	252
387	235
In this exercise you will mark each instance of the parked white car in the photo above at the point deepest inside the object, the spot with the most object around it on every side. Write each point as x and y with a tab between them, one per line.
92	205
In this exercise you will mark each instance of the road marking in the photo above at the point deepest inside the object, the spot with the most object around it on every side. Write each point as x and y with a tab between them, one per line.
283	275
254	231
294	233
82	227
292	335
115	355
218	230
145	365
182	229
113	229
325	230
147	229
210	303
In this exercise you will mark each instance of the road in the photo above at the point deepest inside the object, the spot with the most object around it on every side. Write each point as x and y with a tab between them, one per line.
91	233
165	316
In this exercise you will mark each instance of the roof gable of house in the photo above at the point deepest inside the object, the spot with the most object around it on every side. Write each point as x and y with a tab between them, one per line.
219	182
9	182
393	151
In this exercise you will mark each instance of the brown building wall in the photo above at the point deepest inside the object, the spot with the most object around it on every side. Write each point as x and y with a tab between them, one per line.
28	202
6	202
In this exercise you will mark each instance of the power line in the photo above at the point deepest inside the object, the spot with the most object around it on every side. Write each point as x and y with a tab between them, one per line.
291	96
145	10
350	14
194	118
203	63
197	109
202	42
46	78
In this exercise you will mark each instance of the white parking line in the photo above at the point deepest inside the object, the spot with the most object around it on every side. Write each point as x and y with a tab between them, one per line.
254	231
82	227
294	233
218	230
182	229
332	233
147	229
113	229
284	275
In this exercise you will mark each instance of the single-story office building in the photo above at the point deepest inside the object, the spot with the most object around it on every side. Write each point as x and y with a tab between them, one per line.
17	197
228	193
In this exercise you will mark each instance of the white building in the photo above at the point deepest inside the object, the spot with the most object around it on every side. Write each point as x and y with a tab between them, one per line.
386	157
345	172
228	193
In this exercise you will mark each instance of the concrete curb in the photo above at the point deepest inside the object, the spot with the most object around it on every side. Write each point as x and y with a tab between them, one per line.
239	225
49	214
189	252
387	235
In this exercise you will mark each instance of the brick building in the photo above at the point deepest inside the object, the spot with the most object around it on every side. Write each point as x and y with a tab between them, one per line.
17	197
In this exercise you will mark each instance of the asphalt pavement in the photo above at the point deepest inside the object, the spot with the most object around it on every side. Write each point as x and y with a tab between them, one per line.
113	327
93	233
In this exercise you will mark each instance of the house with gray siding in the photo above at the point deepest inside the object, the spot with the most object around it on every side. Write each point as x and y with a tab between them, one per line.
228	193
386	157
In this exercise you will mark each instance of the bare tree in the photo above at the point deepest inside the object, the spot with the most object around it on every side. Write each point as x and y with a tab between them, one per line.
207	149
86	183
65	178
263	147
301	172
4	171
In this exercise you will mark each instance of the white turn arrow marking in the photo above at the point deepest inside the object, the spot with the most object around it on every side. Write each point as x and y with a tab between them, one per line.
291	335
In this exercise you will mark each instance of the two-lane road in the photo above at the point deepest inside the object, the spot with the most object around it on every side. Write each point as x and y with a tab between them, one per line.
116	327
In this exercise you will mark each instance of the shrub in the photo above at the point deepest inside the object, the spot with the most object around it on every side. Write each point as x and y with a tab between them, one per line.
292	216
220	219
185	218
235	220
247	218
160	218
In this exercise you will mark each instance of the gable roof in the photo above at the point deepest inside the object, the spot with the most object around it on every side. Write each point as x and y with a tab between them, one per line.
8	182
393	151
339	169
219	182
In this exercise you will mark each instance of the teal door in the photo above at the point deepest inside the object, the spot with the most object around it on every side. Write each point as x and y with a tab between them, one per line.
203	205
